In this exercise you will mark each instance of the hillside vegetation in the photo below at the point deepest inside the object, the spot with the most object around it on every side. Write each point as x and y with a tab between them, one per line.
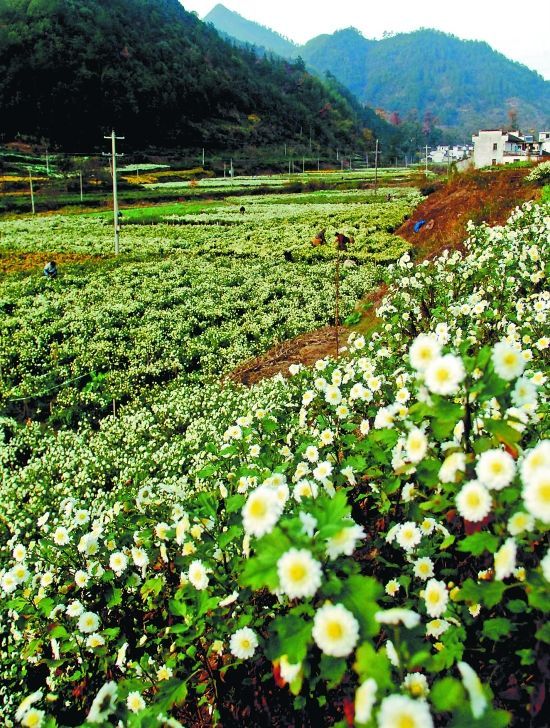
465	85
72	70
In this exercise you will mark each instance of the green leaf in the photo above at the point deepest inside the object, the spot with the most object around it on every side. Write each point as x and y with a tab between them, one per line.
177	608
516	606
293	635
261	570
152	587
359	596
370	663
332	670
497	628
502	431
488	593
225	538
447	694
543	633
115	597
207	471
479	542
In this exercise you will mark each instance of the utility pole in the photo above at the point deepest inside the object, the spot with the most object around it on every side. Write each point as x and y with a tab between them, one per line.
32	192
337	154
318	164
376	170
426	171
47	163
224	169
285	149
303	165
113	155
81	195
231	171
203	157
289	166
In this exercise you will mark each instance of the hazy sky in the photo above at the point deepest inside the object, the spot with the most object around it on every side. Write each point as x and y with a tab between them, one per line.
519	30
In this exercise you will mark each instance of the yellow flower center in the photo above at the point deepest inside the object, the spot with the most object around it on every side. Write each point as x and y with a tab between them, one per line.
334	630
297	572
496	467
433	597
258	508
405	721
544	492
510	358
473	499
245	644
442	375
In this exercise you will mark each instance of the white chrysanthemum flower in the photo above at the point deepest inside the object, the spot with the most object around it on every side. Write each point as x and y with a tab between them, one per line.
398	616
289	671
472	683
19	552
453	464
365	697
61	536
335	630
81	578
333	395
392	587
436	597
507	361
311	454
135	702
323	471
424	568
243	643
139	557
416	684
391	653
536	461
198	575
20	572
408	536
505	560
536	496
164	673
95	640
416	445
75	609
261	511
26	704
104	704
385	418
344	541
437	627
520	522
399	710
444	375
118	562
474	501
326	437
424	350
299	573
305	489
161	531
525	392
495	469
364	427
33	718
88	622
545	565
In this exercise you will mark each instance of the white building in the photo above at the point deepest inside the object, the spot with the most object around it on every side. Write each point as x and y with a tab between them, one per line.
494	146
544	141
446	154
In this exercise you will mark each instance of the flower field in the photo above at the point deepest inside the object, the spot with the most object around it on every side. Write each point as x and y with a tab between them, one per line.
364	543
189	300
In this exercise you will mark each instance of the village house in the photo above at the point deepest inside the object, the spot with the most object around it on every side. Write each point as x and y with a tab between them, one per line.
495	146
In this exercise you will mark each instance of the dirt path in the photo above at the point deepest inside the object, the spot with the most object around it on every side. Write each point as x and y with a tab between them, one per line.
481	196
16	262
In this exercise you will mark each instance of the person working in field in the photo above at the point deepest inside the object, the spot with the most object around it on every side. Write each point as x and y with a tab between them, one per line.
319	239
342	241
50	269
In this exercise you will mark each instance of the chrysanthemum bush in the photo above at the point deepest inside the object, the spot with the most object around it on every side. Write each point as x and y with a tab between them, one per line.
375	550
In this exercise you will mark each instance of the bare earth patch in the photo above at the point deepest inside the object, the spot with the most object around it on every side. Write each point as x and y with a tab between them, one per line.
17	262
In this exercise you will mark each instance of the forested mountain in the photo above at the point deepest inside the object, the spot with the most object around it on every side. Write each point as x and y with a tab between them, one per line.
425	75
234	25
74	69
